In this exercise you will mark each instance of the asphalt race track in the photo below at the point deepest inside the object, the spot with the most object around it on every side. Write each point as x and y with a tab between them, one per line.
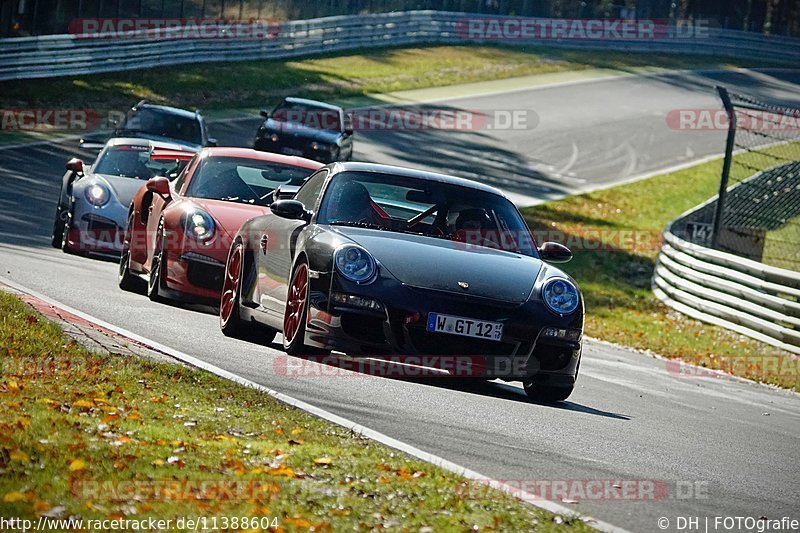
632	417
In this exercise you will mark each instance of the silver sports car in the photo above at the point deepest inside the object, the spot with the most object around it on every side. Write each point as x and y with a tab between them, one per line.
92	212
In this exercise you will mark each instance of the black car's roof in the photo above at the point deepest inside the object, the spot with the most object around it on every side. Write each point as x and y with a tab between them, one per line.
414	173
168	109
314	103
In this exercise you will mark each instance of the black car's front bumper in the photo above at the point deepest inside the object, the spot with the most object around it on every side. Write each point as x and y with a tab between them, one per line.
398	328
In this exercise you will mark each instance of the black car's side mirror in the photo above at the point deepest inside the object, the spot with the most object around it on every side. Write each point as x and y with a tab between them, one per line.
264	113
348	130
159	185
552	252
291	209
75	165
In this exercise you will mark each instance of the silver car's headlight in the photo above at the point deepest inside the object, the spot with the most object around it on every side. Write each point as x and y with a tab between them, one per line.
355	264
561	296
97	194
198	224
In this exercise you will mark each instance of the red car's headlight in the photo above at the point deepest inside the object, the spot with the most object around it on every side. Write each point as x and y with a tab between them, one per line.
198	225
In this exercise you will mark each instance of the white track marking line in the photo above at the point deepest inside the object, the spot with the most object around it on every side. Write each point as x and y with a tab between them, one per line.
377	436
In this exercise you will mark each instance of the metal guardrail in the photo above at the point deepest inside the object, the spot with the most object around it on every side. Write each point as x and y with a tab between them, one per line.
757	300
63	55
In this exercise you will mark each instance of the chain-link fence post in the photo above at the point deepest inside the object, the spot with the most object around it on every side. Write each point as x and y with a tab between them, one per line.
726	166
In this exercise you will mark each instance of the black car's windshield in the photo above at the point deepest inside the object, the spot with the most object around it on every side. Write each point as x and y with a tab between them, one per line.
239	179
163	124
309	116
133	161
436	209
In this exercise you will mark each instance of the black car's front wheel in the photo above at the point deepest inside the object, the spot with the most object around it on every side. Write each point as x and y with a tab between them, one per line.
58	227
544	393
294	317
230	321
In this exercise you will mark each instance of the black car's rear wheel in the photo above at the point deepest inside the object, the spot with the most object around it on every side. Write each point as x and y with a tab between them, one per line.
126	280
230	320
155	282
294	318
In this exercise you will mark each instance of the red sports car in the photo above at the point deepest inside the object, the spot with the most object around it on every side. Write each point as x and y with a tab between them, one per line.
179	232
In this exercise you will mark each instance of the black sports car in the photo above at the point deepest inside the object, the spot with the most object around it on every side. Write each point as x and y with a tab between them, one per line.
377	260
306	128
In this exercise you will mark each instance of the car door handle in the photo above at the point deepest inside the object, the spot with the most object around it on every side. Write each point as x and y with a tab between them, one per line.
264	242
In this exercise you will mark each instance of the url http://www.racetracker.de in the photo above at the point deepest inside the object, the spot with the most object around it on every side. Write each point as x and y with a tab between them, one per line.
202	523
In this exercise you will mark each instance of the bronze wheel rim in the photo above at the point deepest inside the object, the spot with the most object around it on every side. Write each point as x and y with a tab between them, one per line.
230	287
295	303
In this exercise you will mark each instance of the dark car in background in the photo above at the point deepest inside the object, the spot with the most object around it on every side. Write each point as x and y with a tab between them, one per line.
166	124
373	260
306	128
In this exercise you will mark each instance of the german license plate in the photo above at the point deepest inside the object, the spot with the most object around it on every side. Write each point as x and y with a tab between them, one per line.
292	151
467	327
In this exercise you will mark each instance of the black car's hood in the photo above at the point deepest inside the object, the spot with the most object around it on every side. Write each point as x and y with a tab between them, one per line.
294	128
440	264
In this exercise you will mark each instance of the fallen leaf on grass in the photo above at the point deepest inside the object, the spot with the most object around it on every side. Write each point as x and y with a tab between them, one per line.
40	507
323	461
282	470
13	497
18	456
77	465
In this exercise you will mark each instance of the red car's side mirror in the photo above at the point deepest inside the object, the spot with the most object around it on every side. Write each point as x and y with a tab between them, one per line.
159	185
75	165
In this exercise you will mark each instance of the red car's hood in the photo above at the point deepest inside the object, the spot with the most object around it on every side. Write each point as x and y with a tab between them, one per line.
230	215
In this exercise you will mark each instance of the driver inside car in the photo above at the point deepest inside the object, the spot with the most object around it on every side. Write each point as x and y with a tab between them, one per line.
472	227
351	202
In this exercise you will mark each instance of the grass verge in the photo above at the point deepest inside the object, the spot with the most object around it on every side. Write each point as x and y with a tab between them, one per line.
616	277
95	436
255	83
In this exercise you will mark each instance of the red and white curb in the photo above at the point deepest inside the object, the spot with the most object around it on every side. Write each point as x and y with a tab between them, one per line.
52	308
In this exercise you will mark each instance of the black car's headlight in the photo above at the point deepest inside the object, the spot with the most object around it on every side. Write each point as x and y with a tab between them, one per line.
324	147
97	194
274	137
198	224
355	264
561	296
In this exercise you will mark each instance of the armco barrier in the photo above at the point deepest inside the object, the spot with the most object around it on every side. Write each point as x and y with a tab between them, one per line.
62	55
745	296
